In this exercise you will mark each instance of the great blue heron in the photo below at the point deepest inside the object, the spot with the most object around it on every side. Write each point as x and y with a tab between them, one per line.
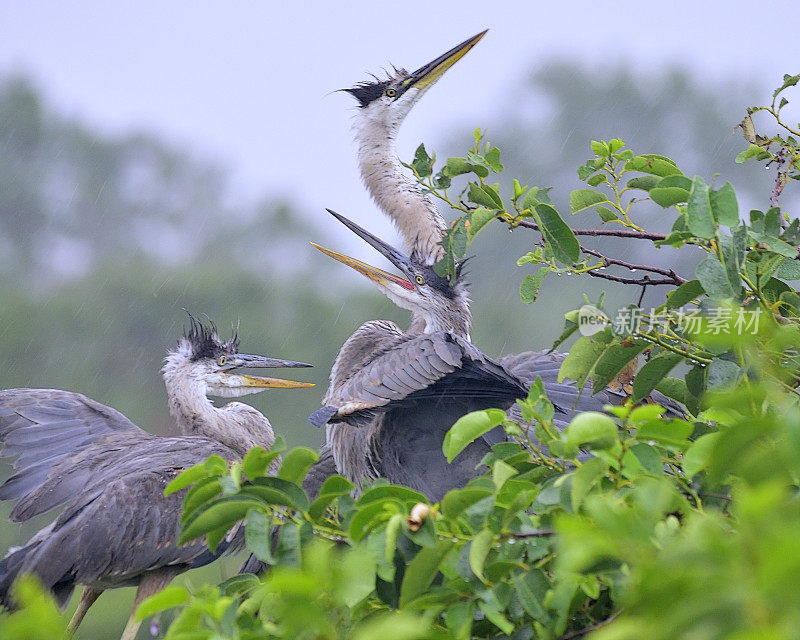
383	105
393	394
117	528
407	388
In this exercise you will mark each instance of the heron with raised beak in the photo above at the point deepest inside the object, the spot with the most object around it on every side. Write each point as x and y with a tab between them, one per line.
393	394
117	528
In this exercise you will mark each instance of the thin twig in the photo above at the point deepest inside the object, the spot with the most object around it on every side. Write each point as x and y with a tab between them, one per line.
617	233
780	180
590	628
644	281
718	496
532	534
636	267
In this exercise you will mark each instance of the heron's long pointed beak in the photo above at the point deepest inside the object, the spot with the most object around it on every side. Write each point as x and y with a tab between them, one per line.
245	361
426	75
375	274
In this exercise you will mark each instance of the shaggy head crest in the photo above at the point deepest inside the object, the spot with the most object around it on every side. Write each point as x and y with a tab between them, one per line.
368	91
204	341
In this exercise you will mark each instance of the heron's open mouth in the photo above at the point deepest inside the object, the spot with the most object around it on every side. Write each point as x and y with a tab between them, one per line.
375	274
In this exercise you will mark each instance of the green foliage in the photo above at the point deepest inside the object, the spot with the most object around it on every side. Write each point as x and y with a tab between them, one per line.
593	528
37	618
628	524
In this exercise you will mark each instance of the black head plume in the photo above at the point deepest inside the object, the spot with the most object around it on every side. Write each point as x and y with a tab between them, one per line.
366	92
205	342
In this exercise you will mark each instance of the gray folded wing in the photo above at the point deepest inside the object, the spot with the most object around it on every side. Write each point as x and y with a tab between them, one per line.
422	367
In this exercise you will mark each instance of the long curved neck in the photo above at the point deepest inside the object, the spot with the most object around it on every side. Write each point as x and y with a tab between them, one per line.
237	426
413	213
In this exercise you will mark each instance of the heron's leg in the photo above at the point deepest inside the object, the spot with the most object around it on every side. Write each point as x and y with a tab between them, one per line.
88	597
151	583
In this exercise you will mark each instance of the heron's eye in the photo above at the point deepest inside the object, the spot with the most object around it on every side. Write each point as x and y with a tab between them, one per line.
420	280
222	360
391	92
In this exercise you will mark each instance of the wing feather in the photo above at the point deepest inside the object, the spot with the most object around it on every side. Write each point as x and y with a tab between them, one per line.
41	427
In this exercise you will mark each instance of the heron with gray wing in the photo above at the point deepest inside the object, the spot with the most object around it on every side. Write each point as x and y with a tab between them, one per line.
394	395
408	388
117	528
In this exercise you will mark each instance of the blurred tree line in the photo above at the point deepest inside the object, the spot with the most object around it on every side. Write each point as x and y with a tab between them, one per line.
103	240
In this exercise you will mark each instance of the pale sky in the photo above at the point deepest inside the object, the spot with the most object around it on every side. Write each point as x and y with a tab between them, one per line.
249	83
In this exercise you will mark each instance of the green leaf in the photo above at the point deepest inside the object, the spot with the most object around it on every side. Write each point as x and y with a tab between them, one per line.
331	489
583	479
478	219
456	501
456	166
591	429
501	472
296	464
258	536
223	512
684	294
391	491
529	289
613	360
581	199
698	455
373	514
674	388
673	433
468	428
492	158
421	571
534	196
422	162
200	493
753	151
580	360
645	183
714	278
485	195
599	148
652	373
788	269
669	196
459	617
277	491
171	596
557	234
596	179
256	461
606	214
393	529
216	465
648	457
774	244
788	81
531	587
698	212
186	477
723	374
724	205
679	181
478	550
653	164
496	617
